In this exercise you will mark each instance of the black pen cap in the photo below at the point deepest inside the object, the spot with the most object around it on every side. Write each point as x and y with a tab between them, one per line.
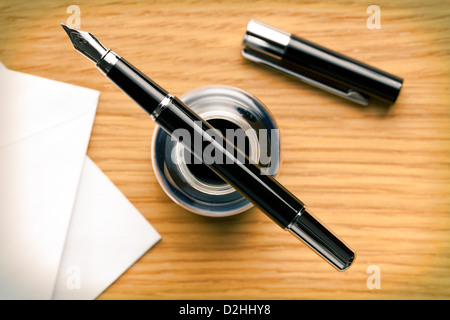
319	66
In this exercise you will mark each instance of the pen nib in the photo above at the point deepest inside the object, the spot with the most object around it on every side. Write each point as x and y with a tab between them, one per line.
85	43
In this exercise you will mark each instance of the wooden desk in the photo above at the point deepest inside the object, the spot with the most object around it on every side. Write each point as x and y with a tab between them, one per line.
379	178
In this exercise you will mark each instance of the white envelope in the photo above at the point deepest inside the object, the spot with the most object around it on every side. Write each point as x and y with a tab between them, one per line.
45	128
47	181
106	236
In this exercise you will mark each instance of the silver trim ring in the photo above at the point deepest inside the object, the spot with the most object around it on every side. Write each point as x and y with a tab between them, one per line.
107	62
163	104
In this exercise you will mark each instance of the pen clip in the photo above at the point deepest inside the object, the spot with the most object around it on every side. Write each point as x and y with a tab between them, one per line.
350	94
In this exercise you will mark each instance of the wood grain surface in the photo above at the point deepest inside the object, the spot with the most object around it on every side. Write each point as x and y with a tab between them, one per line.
378	177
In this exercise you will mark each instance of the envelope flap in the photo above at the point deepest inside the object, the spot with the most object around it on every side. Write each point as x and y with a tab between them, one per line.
43	104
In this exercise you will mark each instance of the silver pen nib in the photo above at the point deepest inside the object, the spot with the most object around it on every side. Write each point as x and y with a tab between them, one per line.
86	43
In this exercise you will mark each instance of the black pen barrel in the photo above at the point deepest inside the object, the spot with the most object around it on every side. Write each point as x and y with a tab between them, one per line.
234	167
260	189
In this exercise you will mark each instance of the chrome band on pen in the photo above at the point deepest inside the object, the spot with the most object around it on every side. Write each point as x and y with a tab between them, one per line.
264	38
164	103
107	62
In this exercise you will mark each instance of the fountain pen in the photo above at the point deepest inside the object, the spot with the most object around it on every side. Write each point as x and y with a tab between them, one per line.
170	113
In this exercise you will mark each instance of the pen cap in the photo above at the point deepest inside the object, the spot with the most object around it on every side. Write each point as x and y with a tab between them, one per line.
318	65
